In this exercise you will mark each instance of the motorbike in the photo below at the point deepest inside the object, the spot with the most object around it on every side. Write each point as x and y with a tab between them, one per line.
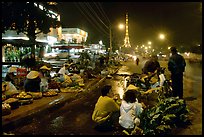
151	81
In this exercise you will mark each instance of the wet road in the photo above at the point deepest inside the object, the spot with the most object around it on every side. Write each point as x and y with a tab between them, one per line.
75	118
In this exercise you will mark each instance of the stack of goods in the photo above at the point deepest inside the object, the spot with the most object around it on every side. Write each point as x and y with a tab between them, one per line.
6	109
67	81
36	95
25	98
53	85
78	80
13	102
71	89
9	89
75	85
50	93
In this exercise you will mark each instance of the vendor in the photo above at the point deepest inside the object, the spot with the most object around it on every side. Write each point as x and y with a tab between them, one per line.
32	82
45	72
73	68
10	76
64	69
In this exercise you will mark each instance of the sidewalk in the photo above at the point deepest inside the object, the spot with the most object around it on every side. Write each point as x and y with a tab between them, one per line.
25	113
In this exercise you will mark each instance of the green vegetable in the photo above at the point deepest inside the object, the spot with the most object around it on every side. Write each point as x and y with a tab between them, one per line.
167	114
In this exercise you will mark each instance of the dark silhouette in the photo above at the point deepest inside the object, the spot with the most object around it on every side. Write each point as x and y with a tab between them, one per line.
151	65
32	82
137	61
176	66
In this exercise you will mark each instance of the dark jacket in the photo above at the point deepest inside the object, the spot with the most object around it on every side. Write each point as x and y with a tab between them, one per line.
32	85
150	66
10	77
176	64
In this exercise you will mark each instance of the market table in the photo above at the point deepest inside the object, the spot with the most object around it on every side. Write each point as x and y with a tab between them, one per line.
45	104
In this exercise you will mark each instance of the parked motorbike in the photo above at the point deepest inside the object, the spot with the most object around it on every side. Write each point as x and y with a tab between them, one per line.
151	81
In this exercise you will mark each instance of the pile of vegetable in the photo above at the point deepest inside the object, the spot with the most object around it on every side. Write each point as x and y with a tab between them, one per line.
169	113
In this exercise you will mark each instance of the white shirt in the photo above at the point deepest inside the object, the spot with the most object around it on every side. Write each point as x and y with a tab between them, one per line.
129	113
63	71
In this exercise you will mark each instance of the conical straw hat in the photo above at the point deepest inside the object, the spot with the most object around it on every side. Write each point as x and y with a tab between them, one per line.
45	67
32	74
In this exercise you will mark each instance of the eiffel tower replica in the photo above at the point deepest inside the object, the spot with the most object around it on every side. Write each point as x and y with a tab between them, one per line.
126	41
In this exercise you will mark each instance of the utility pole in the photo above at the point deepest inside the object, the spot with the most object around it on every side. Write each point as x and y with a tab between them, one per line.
110	40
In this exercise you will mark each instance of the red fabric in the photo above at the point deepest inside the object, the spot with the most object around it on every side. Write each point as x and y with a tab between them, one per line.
21	72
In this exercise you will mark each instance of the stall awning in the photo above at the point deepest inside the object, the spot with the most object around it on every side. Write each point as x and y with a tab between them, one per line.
22	42
68	47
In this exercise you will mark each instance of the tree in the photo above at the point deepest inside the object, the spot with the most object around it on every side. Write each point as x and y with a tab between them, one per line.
28	18
63	41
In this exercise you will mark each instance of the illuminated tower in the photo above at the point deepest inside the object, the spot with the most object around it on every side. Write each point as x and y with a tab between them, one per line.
126	41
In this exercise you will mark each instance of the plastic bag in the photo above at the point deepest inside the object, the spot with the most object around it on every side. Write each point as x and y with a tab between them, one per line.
162	79
43	85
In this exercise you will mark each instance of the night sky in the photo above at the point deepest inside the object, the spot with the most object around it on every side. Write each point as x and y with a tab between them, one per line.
181	22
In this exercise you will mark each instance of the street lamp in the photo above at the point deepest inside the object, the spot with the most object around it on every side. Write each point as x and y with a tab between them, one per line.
161	36
149	42
120	26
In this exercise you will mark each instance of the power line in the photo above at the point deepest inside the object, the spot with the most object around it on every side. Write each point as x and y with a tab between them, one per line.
102	12
93	18
77	5
90	17
96	14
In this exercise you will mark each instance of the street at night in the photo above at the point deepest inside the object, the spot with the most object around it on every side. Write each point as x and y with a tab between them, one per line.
75	118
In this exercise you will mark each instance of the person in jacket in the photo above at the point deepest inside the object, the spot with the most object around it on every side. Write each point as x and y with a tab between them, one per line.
151	65
130	111
176	65
32	82
106	111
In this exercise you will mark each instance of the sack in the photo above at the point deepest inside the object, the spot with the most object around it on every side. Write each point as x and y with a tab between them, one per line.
67	81
9	89
53	85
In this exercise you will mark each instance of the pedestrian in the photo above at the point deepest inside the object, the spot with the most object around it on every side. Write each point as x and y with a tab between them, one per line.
130	111
137	61
176	65
106	111
151	65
